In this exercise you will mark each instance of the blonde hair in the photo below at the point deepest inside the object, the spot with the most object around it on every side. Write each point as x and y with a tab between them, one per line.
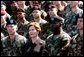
36	25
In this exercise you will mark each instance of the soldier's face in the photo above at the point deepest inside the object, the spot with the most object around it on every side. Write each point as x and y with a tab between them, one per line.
74	3
52	12
34	3
80	24
36	13
20	15
33	32
21	4
14	6
56	25
11	29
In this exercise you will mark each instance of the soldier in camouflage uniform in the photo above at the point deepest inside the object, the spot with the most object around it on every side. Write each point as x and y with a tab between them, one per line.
13	43
70	19
80	39
52	12
46	31
22	22
32	5
76	47
36	13
58	42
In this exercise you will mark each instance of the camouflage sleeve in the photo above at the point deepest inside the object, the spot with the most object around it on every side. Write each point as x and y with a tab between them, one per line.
23	41
3	45
66	41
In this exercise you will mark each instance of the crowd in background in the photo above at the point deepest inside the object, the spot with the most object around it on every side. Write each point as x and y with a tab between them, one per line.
38	18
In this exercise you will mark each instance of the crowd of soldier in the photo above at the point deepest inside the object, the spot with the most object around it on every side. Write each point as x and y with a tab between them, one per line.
55	29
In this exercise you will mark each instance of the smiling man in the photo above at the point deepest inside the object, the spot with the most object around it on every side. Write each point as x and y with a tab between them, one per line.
12	44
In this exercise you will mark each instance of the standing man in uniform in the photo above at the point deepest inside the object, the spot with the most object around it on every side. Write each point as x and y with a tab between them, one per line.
12	44
80	39
22	22
70	19
76	47
58	42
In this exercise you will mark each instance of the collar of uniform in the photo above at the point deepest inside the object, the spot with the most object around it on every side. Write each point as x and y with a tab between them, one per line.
15	39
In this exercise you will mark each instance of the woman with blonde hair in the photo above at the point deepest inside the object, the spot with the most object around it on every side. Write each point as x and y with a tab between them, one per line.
36	45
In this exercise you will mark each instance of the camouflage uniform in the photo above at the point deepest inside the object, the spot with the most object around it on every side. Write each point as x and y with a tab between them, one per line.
71	29
46	31
76	46
70	21
29	16
65	11
22	28
80	45
12	48
46	34
28	11
55	43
